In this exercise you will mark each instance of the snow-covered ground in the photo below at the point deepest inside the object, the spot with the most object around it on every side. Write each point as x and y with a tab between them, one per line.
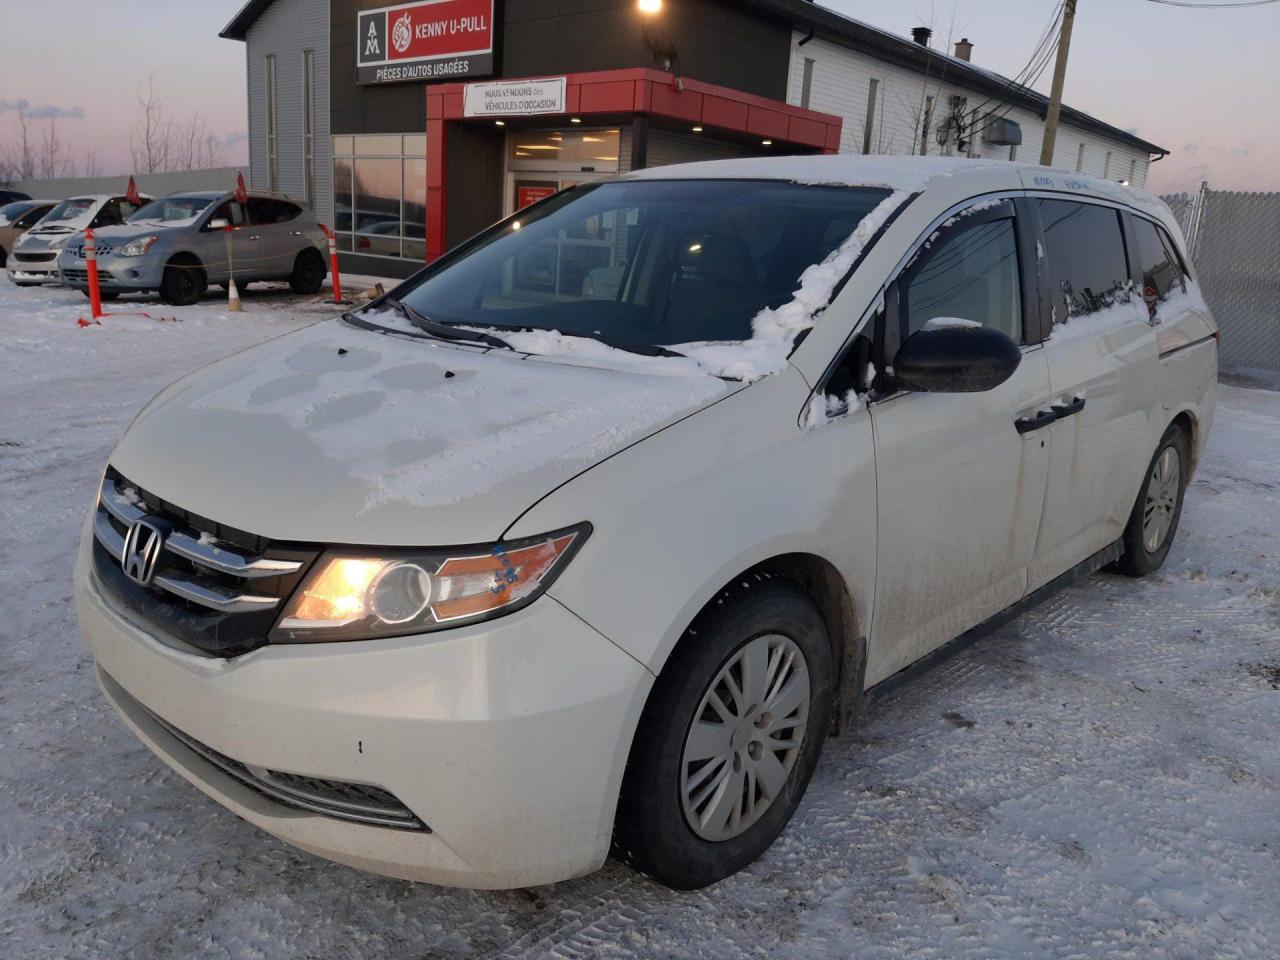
1097	779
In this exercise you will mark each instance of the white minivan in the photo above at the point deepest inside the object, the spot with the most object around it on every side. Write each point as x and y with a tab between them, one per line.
517	566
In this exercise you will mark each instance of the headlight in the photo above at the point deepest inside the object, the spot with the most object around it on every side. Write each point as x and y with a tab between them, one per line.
136	248
359	595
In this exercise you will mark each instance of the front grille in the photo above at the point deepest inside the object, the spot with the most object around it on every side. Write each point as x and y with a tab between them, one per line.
341	799
214	587
77	276
34	257
100	249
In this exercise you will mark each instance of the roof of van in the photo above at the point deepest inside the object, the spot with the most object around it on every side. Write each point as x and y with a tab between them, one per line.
896	173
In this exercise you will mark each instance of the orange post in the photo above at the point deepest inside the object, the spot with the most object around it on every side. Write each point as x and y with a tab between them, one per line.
91	267
333	263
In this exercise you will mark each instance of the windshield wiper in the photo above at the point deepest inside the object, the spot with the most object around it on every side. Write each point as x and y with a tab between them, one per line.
644	349
446	331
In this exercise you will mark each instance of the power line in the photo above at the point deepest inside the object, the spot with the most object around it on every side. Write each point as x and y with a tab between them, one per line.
1214	6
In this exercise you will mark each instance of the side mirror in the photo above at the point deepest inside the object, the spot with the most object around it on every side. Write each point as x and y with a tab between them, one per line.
962	358
218	223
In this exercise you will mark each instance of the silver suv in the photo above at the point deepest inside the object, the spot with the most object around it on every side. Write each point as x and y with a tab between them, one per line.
179	245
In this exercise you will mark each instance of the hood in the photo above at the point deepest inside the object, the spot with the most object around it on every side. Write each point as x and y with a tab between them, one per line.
124	232
340	435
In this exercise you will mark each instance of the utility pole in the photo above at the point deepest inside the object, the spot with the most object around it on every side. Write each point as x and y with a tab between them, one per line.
1059	75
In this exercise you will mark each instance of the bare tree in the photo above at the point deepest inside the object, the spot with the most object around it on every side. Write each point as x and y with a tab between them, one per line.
52	158
151	142
20	158
90	168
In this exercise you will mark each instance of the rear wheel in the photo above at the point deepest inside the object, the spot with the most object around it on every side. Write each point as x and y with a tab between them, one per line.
308	273
182	284
729	738
1154	520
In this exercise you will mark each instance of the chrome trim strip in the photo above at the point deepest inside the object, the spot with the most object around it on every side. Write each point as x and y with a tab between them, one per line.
107	536
212	598
118	506
225	561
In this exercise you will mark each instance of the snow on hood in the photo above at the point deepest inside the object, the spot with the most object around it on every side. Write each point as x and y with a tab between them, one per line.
340	435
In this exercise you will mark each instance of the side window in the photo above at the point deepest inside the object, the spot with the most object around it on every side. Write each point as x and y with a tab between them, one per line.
969	273
1157	264
1084	244
109	215
29	218
230	211
267	210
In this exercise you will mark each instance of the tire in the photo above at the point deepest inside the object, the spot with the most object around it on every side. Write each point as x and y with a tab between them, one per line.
666	827
182	284
1149	533
308	273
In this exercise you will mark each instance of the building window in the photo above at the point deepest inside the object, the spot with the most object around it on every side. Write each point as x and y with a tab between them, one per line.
1106	166
1013	152
273	167
380	194
806	87
1133	171
870	122
1080	158
308	126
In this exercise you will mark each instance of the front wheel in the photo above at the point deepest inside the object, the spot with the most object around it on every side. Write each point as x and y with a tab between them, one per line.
1154	519
729	738
181	284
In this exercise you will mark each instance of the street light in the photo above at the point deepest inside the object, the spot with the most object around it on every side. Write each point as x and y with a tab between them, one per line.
649	6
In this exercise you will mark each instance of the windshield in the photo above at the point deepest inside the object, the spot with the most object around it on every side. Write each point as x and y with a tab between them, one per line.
171	208
69	210
652	263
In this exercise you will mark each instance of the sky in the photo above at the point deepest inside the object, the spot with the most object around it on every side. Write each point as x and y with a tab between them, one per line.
1204	84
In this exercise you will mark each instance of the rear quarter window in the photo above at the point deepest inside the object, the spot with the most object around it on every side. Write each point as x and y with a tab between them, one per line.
1084	246
1157	264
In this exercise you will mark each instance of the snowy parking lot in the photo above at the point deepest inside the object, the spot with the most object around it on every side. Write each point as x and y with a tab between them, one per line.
1097	779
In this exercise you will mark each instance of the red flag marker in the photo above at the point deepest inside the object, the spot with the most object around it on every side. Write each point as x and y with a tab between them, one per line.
242	194
131	194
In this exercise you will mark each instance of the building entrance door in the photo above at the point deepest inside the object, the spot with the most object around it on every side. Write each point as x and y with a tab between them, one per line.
542	162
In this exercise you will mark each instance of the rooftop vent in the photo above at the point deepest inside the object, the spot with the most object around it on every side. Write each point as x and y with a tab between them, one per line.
964	49
921	35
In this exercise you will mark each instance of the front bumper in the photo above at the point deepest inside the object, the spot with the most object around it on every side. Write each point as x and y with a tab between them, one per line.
507	740
40	272
114	272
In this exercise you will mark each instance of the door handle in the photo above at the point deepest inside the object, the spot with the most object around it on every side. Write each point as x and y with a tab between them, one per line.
1041	419
1062	410
295	233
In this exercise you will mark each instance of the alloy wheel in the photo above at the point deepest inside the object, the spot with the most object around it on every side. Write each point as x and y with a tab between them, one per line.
1162	499
745	737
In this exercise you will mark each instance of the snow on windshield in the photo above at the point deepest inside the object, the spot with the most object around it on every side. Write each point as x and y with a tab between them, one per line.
774	330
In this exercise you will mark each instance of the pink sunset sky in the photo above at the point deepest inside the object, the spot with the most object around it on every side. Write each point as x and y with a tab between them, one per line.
1204	84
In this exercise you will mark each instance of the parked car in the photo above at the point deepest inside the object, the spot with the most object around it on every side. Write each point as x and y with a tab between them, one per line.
483	581
16	218
179	246
35	255
9	196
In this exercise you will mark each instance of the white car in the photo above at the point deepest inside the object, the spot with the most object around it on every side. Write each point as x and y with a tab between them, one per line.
35	255
491	578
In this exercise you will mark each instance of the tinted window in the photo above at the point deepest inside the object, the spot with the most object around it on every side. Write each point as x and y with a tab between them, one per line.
32	216
109	215
1084	245
172	209
1157	264
270	210
12	212
659	263
230	211
970	273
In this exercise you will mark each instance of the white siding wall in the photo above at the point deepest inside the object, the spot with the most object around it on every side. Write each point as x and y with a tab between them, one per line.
284	30
840	85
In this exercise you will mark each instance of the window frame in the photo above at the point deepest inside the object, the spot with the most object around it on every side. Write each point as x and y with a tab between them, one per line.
346	148
308	128
1047	295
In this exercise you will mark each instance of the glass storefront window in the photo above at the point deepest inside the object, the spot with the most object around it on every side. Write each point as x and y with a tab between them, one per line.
380	194
599	147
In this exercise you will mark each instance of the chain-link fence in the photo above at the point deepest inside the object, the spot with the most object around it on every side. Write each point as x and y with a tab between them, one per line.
1234	241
